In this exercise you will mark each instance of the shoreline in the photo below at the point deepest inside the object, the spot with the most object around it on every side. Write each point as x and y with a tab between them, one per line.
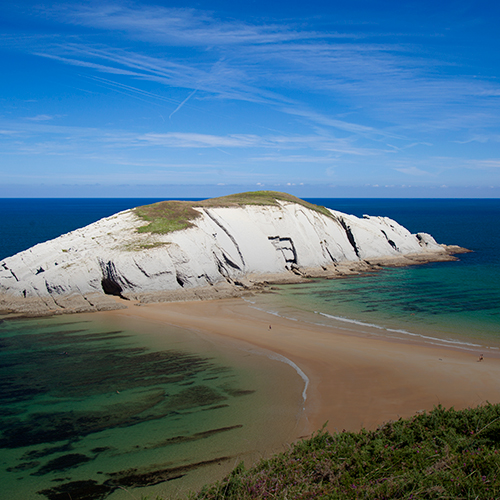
47	304
355	381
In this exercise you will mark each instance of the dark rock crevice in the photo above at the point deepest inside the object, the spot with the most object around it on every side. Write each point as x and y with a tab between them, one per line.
143	271
286	247
230	263
113	282
393	245
54	289
207	278
350	236
230	236
326	251
181	279
221	266
110	287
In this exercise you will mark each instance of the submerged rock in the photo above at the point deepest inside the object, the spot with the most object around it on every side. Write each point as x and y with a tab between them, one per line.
224	249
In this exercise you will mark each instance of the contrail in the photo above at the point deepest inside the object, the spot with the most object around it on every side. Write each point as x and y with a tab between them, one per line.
182	103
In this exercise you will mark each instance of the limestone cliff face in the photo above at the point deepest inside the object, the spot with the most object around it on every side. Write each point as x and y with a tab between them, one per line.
226	249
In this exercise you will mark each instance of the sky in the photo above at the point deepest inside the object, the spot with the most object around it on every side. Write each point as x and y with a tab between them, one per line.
199	99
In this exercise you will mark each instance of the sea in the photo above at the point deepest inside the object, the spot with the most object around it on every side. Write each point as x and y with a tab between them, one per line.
93	407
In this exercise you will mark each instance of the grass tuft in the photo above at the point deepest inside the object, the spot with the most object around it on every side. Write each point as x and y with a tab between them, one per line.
166	216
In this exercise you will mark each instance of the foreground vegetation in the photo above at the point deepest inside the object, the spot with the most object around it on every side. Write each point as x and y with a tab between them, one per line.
443	454
173	215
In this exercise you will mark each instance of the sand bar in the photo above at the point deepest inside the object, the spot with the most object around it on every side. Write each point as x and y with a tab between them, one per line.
355	381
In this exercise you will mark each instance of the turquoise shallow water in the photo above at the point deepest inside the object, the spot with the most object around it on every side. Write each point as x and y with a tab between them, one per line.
97	408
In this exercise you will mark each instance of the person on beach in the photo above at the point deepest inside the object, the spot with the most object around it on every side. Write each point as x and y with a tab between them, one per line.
480	357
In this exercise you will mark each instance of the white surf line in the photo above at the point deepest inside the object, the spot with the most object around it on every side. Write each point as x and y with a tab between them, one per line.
302	375
430	340
267	311
279	357
434	340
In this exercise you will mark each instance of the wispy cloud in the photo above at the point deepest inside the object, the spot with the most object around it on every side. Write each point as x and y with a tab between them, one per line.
481	138
190	140
217	78
291	158
40	118
186	26
39	137
414	171
265	63
182	103
484	164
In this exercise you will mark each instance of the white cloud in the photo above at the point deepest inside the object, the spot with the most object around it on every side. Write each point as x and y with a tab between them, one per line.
40	118
413	171
190	140
484	164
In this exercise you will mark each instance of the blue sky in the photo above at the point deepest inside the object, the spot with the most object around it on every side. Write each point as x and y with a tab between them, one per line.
166	99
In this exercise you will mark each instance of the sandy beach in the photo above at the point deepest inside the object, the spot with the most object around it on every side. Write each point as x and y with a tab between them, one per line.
354	381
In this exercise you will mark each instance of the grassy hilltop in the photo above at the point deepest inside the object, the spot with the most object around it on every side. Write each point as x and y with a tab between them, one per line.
174	215
444	454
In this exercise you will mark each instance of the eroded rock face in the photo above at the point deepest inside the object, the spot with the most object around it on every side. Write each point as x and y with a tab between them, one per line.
82	270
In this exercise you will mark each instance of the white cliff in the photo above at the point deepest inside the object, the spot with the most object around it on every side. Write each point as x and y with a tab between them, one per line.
227	249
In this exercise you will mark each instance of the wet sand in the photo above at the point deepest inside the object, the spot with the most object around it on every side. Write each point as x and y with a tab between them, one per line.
354	381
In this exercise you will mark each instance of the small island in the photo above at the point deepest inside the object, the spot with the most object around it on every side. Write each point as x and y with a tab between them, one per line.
216	248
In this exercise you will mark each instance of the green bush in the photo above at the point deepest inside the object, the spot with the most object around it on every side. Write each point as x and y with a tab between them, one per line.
443	454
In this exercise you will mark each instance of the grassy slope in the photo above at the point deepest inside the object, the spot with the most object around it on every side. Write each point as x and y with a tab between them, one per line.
443	454
167	216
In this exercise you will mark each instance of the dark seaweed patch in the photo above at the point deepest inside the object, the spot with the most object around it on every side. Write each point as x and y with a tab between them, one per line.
238	392
65	462
130	478
216	407
194	437
23	466
100	449
200	395
45	365
134	478
78	490
75	364
47	451
52	427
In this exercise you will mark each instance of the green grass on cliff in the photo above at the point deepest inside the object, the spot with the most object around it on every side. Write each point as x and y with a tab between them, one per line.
173	215
444	454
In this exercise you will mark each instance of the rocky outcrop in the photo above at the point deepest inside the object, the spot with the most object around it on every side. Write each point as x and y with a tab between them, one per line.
227	250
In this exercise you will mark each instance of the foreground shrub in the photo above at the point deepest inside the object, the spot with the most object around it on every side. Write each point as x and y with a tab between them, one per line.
442	454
